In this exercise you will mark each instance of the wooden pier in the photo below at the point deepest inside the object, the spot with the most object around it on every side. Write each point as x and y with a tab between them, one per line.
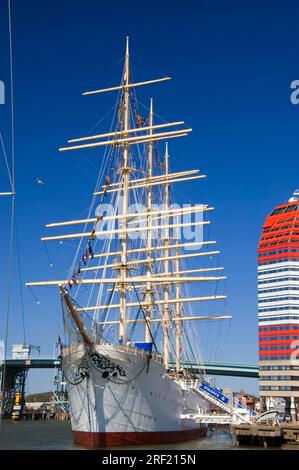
36	415
267	435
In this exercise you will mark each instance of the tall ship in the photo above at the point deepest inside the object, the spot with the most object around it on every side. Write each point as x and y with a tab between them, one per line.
131	333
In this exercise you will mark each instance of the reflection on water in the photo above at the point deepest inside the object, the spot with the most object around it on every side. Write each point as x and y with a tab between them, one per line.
57	435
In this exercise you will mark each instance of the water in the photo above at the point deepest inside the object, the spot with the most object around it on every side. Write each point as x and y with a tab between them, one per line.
57	435
52	435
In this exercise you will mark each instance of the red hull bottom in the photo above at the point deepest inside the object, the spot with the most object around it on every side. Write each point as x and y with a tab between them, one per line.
110	439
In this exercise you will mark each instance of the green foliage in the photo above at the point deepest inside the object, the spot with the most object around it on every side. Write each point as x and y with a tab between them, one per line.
38	397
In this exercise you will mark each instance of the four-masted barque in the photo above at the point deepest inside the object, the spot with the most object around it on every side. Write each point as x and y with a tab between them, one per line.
129	330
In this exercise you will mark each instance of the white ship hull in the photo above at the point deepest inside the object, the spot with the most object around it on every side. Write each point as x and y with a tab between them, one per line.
120	397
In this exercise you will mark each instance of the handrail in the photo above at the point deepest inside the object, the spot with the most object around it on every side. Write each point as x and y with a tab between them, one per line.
140	352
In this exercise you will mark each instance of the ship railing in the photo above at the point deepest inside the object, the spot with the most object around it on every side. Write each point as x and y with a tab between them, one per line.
140	352
189	383
209	418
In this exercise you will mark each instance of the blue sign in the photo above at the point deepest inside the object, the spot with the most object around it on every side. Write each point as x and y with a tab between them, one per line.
214	392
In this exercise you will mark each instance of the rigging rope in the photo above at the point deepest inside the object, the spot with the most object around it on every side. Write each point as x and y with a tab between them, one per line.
101	171
144	316
6	162
11	100
20	282
34	296
10	267
48	254
8	305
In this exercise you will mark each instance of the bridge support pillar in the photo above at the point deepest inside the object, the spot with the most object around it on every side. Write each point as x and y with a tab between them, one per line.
13	381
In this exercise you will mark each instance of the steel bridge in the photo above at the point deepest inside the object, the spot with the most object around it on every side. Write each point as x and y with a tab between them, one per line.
224	369
210	368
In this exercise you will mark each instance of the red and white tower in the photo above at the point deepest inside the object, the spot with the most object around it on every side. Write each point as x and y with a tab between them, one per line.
278	308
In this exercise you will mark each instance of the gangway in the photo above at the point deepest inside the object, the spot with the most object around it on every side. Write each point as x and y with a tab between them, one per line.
214	396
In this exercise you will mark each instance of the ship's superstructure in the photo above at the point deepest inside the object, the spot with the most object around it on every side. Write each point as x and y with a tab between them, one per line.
278	307
127	309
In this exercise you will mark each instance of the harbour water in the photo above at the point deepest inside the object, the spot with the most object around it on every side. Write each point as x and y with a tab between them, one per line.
57	435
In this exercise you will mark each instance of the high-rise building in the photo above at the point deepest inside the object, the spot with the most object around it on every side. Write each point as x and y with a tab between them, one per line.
278	308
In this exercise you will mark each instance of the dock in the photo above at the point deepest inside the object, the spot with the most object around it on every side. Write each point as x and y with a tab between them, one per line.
266	435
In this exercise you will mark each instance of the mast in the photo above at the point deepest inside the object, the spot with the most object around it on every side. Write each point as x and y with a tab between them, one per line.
166	268
124	138
126	177
178	307
149	233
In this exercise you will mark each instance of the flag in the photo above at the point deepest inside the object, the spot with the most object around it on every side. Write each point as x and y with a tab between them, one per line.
140	120
90	251
92	235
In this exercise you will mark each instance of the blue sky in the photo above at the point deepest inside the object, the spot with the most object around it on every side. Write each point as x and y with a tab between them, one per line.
232	64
